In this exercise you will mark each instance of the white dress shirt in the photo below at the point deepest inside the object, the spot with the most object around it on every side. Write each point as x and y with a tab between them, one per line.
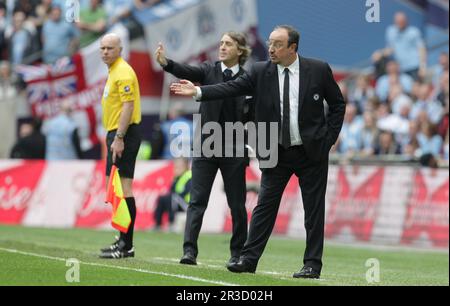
234	69
294	85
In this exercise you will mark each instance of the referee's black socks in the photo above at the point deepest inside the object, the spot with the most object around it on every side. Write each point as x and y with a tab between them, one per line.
128	237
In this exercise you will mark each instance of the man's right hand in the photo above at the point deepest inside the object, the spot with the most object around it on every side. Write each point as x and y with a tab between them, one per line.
160	55
184	88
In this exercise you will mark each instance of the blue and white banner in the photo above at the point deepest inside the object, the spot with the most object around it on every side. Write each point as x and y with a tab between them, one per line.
190	27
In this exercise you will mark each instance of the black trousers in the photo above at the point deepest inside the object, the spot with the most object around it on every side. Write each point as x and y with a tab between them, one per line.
204	172
313	182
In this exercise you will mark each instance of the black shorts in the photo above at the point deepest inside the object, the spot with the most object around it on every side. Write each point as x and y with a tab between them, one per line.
127	162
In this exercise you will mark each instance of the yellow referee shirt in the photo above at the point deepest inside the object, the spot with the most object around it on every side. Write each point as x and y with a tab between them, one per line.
122	86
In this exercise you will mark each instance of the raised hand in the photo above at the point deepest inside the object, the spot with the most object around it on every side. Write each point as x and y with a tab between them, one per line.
160	55
183	88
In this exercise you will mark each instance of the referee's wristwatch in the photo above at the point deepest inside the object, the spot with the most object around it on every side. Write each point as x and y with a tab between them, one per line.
120	135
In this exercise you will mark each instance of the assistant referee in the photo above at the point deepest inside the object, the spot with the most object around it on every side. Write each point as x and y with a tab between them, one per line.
121	117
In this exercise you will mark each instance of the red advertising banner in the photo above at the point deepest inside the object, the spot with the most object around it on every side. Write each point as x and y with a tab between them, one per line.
395	205
428	210
356	203
17	186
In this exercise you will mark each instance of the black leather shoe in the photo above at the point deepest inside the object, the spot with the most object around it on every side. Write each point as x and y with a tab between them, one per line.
233	260
307	272
243	266
188	259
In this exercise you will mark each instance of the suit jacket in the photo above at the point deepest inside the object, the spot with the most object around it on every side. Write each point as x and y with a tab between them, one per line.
208	74
317	130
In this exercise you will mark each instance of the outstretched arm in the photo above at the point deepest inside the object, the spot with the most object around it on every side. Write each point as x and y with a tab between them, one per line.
181	71
184	88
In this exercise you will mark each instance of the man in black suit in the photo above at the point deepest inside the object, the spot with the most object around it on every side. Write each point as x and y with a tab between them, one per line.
288	89
233	53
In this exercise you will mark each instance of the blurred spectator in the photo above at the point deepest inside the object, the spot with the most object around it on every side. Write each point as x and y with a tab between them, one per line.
361	93
42	13
444	124
7	87
59	37
92	23
8	110
369	134
412	150
350	137
441	68
392	77
398	100
387	145
118	10
176	123
429	140
122	11
426	104
31	142
406	45
178	197
441	92
144	4
380	58
429	160
3	24
409	144
445	148
398	124
20	39
62	141
27	6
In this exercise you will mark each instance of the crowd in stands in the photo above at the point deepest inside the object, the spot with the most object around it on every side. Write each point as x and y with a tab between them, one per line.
399	110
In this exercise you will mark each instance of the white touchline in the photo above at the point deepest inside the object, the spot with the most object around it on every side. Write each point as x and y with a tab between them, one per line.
123	268
175	261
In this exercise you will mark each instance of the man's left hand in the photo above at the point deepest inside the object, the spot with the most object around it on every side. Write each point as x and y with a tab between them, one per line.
117	148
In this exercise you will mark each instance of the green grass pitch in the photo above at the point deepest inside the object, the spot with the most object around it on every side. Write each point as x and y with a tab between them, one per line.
32	256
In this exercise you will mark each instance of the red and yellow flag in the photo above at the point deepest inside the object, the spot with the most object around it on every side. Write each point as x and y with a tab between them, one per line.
120	218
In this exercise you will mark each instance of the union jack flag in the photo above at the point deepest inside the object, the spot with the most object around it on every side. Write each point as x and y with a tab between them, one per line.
48	82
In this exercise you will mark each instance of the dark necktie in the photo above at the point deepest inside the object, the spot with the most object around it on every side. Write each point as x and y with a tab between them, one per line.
286	130
227	75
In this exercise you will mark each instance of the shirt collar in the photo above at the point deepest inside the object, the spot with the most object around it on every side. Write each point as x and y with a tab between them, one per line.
234	69
293	68
119	59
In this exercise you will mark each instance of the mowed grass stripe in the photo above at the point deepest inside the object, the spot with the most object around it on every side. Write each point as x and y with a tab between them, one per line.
185	277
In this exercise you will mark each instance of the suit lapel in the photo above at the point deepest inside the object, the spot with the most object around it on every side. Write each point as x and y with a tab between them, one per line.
217	108
304	82
274	87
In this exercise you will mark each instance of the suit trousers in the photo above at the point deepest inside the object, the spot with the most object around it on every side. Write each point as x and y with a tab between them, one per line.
204	172
313	182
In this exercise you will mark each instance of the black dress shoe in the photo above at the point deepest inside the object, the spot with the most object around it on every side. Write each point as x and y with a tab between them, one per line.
188	259
242	266
307	272
233	260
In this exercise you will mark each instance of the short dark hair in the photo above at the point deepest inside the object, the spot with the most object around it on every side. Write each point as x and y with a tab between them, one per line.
293	34
241	41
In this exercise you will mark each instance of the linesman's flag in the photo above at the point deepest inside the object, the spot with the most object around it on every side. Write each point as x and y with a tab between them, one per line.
120	218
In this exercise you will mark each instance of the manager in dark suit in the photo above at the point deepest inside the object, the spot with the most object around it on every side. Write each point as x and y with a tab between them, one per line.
288	89
233	53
